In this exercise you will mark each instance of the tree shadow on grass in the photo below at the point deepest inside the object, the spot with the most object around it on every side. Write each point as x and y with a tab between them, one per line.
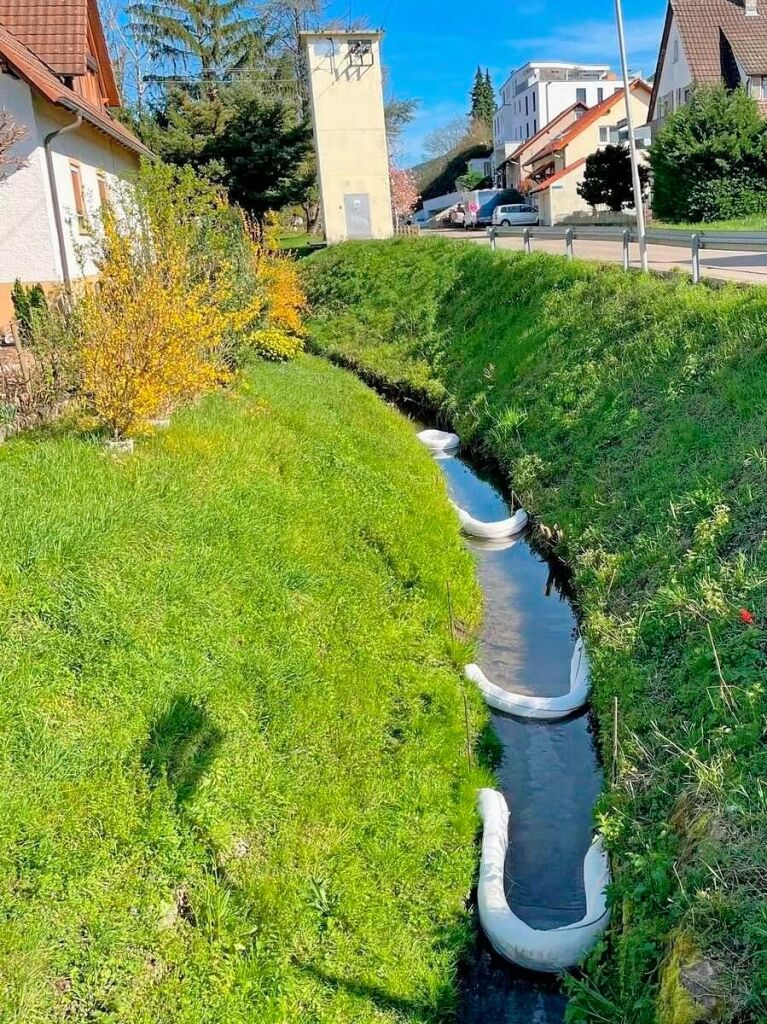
379	997
183	743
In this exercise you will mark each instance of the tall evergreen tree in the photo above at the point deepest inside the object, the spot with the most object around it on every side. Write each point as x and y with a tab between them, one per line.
482	98
208	38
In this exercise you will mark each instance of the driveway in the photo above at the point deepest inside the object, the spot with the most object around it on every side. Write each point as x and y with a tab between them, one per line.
747	267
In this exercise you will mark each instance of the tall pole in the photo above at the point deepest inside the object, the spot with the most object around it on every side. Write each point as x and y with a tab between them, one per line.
632	141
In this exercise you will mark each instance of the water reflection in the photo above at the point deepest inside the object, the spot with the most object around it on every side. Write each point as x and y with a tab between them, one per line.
549	772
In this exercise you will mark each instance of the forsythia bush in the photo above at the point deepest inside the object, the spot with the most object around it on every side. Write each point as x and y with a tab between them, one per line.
147	336
184	287
281	335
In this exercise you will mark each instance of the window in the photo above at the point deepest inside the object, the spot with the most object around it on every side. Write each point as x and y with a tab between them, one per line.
600	94
535	125
103	188
527	106
676	51
533	102
527	130
77	188
580	95
604	133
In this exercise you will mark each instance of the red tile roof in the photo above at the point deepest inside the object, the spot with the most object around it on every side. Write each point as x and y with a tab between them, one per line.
542	131
702	24
560	174
27	66
53	29
592	114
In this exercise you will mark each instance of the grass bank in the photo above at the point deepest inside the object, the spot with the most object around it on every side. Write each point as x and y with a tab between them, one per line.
233	781
630	411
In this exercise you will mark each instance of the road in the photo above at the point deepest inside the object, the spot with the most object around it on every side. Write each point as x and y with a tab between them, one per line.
747	267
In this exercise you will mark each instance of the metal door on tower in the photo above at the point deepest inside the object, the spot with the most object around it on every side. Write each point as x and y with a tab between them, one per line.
357	211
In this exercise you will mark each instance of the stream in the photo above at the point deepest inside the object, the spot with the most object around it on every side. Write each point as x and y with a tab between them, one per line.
549	772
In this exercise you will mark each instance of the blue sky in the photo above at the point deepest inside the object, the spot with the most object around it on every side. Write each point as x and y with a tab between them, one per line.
432	49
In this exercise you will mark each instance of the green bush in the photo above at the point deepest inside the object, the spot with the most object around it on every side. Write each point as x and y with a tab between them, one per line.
27	300
718	135
630	410
727	198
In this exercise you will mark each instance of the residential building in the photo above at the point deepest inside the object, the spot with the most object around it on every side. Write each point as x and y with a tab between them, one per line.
707	42
56	81
540	90
509	173
558	166
346	92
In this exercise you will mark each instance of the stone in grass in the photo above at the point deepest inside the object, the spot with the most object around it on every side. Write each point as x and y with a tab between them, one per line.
690	990
160	423
119	445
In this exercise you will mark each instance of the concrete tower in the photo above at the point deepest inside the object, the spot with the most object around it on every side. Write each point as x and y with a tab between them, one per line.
346	92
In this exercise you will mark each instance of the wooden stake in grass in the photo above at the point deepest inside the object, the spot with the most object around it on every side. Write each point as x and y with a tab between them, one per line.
615	740
724	688
468	727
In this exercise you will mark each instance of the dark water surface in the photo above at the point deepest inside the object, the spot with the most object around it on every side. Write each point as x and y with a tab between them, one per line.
549	771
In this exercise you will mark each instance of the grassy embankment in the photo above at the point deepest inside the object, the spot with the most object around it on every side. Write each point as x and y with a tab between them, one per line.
233	780
632	412
754	222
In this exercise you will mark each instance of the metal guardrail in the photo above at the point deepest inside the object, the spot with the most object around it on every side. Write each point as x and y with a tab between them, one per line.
695	242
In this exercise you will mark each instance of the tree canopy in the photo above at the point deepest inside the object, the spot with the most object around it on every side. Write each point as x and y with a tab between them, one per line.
607	180
715	145
482	98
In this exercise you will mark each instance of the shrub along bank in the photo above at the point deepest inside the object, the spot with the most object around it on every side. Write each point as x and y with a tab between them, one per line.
630	411
233	777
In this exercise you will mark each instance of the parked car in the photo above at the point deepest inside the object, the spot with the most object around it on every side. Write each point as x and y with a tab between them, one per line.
514	214
479	205
420	218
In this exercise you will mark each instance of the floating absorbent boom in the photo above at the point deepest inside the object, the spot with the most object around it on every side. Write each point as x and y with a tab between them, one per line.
492	531
549	950
441	442
524	706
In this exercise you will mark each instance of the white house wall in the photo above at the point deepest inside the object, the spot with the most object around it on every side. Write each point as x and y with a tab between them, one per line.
29	248
674	77
27	245
94	152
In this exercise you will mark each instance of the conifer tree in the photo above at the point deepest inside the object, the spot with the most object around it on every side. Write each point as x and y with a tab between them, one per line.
482	98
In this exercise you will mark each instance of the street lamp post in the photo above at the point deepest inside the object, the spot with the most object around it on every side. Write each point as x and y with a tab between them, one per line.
632	141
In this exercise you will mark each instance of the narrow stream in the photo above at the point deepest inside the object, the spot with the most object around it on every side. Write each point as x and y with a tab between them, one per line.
549	771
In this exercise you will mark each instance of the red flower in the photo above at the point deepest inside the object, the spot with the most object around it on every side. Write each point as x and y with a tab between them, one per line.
746	616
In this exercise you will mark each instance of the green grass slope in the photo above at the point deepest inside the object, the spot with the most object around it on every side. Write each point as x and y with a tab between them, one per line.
233	775
632	412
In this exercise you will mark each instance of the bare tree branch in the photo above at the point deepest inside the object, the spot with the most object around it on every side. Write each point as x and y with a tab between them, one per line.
11	133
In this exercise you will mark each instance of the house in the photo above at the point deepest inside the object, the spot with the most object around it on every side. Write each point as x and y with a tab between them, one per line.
57	82
558	167
509	173
536	93
708	41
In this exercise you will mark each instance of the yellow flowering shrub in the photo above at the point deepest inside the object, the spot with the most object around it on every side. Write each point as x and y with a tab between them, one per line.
150	331
277	332
184	285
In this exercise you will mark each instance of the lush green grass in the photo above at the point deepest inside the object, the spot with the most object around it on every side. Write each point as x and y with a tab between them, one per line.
754	222
300	243
233	776
632	411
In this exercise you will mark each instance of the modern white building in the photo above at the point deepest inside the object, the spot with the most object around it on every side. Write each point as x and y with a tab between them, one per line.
539	91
